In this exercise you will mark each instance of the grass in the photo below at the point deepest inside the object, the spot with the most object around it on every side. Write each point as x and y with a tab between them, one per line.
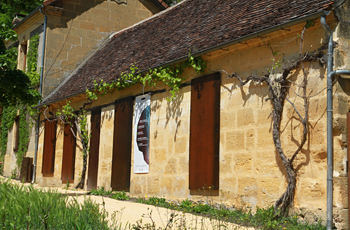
28	208
262	219
112	194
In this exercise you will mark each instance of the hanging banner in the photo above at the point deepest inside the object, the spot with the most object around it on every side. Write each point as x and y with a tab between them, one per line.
141	133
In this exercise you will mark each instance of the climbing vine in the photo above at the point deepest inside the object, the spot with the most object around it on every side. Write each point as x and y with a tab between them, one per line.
169	75
8	118
278	88
23	136
32	60
25	111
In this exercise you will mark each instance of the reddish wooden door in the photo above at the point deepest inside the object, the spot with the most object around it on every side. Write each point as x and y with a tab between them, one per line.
68	160
49	148
121	163
94	149
205	132
348	157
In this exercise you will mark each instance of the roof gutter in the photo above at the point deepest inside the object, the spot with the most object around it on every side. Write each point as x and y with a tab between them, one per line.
220	46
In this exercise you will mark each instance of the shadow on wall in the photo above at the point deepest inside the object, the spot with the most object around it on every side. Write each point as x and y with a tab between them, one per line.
68	11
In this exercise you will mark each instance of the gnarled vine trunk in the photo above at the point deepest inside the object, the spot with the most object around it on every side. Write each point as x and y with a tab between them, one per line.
279	89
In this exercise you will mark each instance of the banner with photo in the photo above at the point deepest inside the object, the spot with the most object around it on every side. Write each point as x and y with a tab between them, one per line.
141	133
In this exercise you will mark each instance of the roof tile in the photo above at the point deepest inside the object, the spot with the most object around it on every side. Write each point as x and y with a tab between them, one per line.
194	25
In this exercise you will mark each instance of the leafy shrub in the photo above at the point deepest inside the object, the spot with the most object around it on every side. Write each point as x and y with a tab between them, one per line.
120	196
100	192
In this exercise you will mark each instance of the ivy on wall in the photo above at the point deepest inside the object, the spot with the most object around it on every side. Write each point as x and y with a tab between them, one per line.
8	118
25	111
23	136
32	60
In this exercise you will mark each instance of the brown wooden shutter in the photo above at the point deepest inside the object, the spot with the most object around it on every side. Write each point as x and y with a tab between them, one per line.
68	160
49	148
121	163
205	132
348	156
94	149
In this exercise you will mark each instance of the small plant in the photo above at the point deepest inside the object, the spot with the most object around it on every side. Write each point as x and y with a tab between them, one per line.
120	196
100	192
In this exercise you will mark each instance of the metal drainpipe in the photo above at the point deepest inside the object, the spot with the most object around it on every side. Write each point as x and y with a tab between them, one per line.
40	91
330	75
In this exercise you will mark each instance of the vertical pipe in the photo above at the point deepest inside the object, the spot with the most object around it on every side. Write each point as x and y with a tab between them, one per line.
330	135
329	125
40	91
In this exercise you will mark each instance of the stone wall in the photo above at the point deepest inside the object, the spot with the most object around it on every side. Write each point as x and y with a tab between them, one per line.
341	109
76	28
251	172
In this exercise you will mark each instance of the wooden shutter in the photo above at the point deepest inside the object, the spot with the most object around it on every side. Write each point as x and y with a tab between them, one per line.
68	160
121	163
49	148
94	149
205	132
348	156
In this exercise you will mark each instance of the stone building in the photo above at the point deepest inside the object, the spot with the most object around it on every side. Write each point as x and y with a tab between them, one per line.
215	137
74	30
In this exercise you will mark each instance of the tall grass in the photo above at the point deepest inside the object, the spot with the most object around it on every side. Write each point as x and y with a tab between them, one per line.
28	208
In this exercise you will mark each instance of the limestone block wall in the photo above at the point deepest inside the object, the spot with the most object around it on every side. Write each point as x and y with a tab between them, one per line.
77	28
341	109
106	148
251	172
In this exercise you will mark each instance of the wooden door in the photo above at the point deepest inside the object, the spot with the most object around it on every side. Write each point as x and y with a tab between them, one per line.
68	160
348	157
94	149
204	132
121	163
49	148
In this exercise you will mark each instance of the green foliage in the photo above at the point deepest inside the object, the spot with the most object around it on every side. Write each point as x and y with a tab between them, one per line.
114	195
32	60
23	137
262	219
2	163
28	208
8	118
100	192
21	6
15	85
120	196
170	76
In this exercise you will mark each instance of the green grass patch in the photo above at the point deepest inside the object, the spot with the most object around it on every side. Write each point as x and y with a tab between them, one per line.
28	208
262	219
112	194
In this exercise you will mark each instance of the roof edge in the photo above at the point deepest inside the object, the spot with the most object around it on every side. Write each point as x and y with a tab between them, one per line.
27	17
211	49
160	4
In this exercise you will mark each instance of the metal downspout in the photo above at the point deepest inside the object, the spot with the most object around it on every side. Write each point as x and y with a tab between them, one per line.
40	91
330	75
329	125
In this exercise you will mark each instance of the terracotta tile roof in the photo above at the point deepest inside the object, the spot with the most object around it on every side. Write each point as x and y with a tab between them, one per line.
195	25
